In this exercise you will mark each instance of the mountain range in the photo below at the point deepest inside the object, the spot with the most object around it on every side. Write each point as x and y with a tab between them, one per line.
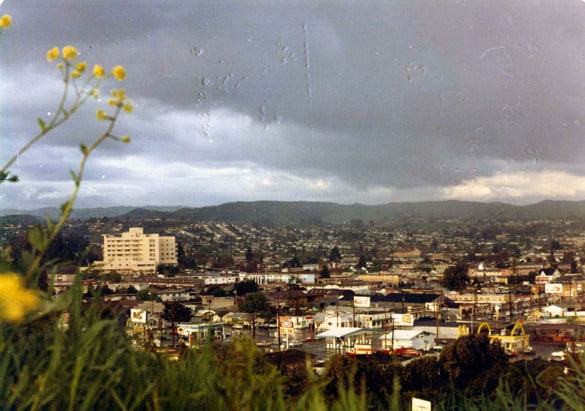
304	211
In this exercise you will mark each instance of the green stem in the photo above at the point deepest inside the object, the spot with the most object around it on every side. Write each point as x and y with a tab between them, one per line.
68	206
61	115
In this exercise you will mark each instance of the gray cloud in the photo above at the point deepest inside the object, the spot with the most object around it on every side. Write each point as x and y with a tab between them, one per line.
334	101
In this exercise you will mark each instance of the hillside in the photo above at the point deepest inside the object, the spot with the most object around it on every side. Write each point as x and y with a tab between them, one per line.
316	212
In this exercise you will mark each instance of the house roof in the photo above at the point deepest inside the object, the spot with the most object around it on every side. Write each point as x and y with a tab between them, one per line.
409	298
340	332
404	334
570	278
548	271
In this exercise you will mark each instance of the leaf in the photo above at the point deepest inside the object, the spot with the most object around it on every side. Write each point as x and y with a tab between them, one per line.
75	177
65	206
37	237
6	176
50	224
41	124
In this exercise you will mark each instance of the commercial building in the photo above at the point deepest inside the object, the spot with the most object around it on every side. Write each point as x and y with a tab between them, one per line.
135	251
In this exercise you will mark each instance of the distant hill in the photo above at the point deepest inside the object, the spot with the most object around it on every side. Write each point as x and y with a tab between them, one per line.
85	213
298	212
312	212
19	219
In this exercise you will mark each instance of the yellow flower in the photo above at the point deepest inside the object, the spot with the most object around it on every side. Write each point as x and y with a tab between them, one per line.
52	54
128	108
98	71
112	102
5	21
15	300
94	92
75	74
81	66
119	73
101	115
119	94
70	53
125	139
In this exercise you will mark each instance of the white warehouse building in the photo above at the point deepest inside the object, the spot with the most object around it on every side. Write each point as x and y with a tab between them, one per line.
135	251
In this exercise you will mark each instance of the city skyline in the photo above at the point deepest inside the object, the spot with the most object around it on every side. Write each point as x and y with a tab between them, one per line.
314	101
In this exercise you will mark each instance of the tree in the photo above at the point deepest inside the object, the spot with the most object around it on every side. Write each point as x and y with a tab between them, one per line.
335	255
422	377
167	270
474	363
456	277
146	295
325	272
113	277
175	312
255	303
293	262
249	255
362	262
245	287
216	291
180	255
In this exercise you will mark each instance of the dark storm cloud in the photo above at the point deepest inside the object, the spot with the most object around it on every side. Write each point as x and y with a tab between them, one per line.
378	101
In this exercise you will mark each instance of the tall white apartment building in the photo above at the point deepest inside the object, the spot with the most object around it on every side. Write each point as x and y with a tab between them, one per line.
135	251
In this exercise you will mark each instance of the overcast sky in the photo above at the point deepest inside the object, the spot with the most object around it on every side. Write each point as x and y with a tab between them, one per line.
345	101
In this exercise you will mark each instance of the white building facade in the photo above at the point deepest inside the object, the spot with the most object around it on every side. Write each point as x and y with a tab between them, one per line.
135	251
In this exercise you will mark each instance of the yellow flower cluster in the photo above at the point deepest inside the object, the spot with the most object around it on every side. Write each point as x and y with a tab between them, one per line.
119	100
15	300
5	21
70	53
52	54
102	115
119	73
98	71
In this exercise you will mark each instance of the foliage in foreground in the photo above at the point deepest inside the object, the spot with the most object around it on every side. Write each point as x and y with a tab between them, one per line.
88	362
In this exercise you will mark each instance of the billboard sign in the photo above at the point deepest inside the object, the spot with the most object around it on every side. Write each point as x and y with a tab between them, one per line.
286	322
553	288
403	319
138	316
361	301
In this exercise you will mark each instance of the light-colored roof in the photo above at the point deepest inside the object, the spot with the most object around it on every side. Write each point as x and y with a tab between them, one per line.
340	332
404	334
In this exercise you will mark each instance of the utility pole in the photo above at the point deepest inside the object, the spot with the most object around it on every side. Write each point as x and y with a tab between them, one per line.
437	320
278	318
510	301
392	346
385	329
353	312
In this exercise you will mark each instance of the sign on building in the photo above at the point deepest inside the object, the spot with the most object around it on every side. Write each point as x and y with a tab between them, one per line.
138	316
361	301
286	322
553	288
403	319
